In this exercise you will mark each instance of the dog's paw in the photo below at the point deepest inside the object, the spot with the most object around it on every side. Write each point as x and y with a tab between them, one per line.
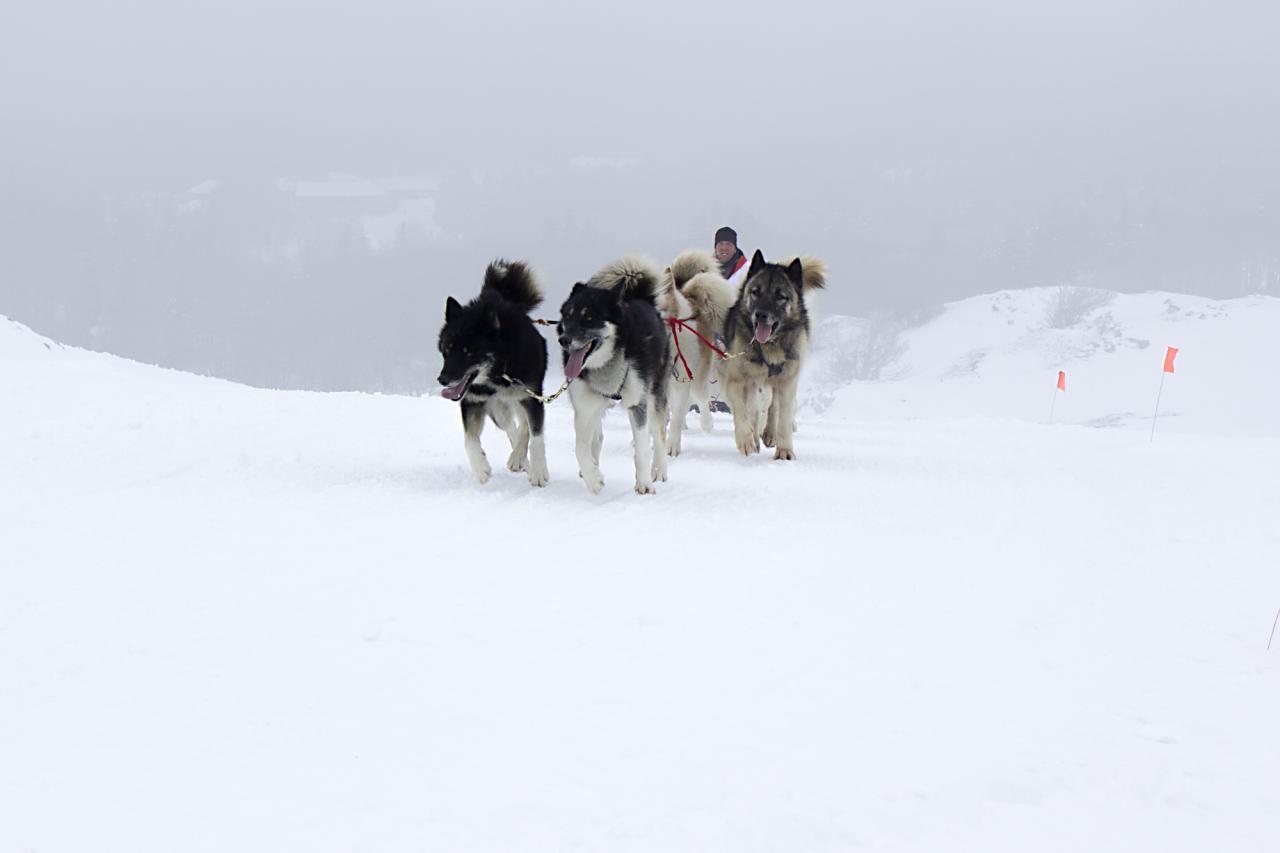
538	478
768	438
482	472
785	453
659	471
517	463
673	446
706	420
645	489
748	444
594	481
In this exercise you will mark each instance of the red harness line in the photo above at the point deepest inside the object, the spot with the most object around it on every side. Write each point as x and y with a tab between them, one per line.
676	321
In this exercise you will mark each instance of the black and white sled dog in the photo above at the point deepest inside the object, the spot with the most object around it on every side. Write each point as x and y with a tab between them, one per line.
615	350
770	324
492	353
693	290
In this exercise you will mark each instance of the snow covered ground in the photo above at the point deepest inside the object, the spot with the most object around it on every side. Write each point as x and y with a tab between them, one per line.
243	620
998	355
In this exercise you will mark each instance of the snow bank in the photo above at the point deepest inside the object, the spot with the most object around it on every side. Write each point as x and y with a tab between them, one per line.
997	356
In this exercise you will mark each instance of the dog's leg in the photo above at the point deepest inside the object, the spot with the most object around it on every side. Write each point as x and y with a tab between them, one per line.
741	395
764	401
679	415
679	406
785	398
700	393
716	378
472	426
639	419
535	415
520	448
657	431
588	429
513	424
771	420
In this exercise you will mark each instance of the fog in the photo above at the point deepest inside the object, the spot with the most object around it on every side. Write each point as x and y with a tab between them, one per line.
284	193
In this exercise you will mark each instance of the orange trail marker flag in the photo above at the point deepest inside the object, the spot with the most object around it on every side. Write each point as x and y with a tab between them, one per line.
1062	386
1170	354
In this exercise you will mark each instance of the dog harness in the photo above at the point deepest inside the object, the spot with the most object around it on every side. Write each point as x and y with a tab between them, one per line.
757	356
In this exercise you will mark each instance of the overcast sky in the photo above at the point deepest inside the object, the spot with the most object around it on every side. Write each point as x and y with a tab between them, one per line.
137	88
929	150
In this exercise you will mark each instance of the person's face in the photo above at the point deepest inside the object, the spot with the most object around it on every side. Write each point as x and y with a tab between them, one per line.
725	250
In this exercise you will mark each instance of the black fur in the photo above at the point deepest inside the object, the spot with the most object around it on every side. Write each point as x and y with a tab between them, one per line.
615	347
641	342
513	281
636	282
493	331
493	357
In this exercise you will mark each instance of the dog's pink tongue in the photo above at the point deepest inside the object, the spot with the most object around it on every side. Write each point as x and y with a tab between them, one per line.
764	331
573	366
456	390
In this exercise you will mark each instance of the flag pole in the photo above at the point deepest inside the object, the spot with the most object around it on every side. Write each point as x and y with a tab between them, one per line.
1170	354
1061	386
1157	412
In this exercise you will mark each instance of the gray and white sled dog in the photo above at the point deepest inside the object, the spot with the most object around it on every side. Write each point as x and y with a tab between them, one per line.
615	348
492	353
769	323
693	290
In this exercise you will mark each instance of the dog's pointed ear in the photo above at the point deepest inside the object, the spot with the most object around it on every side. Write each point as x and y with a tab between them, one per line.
757	263
576	287
451	309
795	272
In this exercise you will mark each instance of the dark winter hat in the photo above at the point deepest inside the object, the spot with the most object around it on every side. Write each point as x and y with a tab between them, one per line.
727	235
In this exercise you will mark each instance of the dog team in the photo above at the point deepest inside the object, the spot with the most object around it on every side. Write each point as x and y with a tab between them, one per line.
639	336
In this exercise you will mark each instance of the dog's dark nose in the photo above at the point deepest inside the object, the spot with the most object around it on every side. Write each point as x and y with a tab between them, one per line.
564	341
442	380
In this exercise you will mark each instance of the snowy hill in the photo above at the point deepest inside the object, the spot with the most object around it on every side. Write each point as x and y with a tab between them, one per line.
999	356
239	619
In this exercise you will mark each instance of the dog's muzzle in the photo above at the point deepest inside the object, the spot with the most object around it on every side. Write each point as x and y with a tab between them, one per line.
765	326
576	354
456	391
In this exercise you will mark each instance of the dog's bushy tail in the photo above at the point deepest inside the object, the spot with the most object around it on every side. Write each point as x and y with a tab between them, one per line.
514	282
815	271
638	275
689	263
711	297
